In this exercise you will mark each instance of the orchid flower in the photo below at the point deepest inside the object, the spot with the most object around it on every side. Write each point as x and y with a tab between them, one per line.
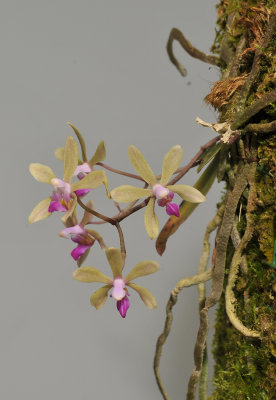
63	197
158	190
118	284
84	167
81	236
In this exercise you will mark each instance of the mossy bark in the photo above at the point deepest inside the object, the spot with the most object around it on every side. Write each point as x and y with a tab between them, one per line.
245	367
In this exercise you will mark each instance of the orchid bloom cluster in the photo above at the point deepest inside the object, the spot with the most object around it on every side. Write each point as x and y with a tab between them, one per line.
66	194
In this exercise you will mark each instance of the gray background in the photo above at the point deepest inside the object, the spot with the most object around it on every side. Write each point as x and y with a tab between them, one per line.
103	66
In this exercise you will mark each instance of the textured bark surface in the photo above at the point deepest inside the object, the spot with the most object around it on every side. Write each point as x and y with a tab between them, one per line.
245	366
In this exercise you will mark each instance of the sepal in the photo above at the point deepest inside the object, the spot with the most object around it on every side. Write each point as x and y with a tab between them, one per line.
42	173
147	297
40	211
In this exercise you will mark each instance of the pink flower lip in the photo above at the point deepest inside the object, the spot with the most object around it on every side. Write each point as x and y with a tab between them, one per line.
79	251
56	206
123	306
172	209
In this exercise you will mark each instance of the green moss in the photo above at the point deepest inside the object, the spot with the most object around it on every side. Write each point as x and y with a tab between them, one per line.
245	368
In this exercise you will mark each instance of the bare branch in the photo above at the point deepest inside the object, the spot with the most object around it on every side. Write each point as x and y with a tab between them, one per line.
117	171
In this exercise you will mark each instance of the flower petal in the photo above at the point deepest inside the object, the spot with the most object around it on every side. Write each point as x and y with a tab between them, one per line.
99	155
82	258
91	274
105	182
188	193
90	181
151	220
99	297
70	158
79	251
115	260
40	211
145	295
87	217
140	165
59	153
71	209
128	193
41	172
141	269
170	163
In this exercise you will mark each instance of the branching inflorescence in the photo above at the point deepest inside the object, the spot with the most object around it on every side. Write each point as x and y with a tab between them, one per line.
67	195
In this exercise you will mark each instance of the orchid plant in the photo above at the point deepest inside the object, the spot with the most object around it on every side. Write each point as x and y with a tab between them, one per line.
67	194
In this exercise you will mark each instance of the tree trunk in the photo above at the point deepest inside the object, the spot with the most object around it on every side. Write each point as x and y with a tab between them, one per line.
244	344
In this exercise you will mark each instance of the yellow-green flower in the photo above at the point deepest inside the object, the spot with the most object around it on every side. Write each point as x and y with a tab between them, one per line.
118	283
158	190
63	197
84	166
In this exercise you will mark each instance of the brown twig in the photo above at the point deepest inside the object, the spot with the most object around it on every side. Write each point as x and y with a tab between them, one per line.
122	242
194	160
117	171
93	212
